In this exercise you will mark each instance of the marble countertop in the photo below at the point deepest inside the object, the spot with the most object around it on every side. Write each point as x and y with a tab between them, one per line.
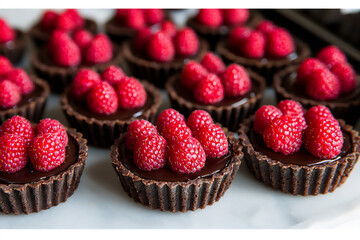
100	202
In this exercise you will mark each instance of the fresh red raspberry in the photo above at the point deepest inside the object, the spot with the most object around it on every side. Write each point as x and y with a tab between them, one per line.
5	67
13	153
153	16
135	19
99	50
168	116
209	90
54	127
265	27
192	73
83	82
131	93
305	69
323	85
138	129
279	43
76	18
6	32
10	94
316	112
237	36
236	81
19	126
213	140
323	138
120	15
213	63
197	120
22	80
263	116
46	152
254	45
284	135
82	38
160	48
186	42
149	152
49	20
102	99
65	52
347	76
57	37
66	21
235	16
141	39
113	75
290	107
330	55
186	156
210	17
169	28
175	131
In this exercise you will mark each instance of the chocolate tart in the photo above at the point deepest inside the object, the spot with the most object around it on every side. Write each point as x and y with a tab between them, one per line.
59	78
229	112
166	190
117	33
14	50
40	37
29	191
155	72
266	67
347	106
31	106
299	173
102	130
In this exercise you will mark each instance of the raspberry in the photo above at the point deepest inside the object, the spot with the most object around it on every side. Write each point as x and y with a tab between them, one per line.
82	38
135	19
141	38
306	67
66	21
131	93
57	38
213	140
5	67
347	76
168	117
113	75
192	73
19	126
236	81
10	94
290	107
323	85
13	154
175	131
186	156
237	36
22	80
316	112
210	17
99	50
330	55
197	120
263	116
102	99
169	28
235	16
265	27
283	135
75	16
153	16
279	43
46	152
209	90
83	82
65	52
54	127
49	20
138	129
323	138
6	32
160	48
186	42
213	63
254	45
149	153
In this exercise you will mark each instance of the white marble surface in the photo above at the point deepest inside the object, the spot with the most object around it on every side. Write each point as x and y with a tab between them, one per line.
100	201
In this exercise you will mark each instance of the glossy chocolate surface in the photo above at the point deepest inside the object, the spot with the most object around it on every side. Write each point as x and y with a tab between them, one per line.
38	90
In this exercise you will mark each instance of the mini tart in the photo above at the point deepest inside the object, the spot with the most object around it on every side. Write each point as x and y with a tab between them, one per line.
59	78
32	105
14	50
301	179
229	112
155	72
176	195
29	191
101	131
265	67
346	106
41	37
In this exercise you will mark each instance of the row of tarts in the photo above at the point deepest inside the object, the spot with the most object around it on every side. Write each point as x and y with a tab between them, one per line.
190	161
